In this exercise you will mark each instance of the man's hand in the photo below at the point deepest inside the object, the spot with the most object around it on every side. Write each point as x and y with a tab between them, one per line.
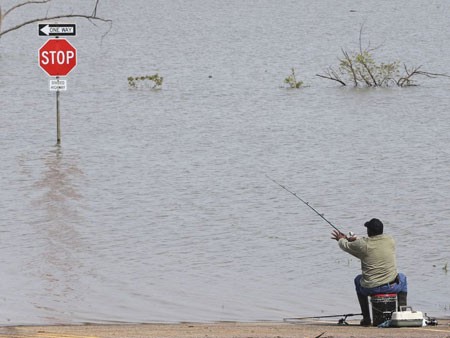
351	237
337	235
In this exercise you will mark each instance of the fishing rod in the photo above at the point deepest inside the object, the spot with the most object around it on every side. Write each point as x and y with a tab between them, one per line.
342	321
316	317
298	197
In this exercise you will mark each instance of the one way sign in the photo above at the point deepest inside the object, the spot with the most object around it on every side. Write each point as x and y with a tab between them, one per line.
56	29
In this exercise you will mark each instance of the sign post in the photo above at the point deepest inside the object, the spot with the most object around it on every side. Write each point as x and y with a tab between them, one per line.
58	119
57	57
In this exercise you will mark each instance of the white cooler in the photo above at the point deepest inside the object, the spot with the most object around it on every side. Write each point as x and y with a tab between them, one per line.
407	317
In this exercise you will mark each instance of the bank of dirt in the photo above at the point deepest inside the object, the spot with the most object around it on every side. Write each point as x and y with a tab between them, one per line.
224	330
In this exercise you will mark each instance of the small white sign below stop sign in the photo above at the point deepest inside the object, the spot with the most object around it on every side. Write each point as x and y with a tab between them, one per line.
57	57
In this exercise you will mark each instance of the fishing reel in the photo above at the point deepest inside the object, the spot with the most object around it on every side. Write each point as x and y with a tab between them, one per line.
343	321
430	321
350	235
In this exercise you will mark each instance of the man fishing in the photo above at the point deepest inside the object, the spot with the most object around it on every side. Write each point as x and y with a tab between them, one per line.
378	265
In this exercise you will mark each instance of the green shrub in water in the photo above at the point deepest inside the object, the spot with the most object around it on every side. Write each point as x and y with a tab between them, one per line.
291	80
155	79
361	70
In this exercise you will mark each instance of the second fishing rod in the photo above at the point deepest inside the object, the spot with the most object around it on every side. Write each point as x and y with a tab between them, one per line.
307	204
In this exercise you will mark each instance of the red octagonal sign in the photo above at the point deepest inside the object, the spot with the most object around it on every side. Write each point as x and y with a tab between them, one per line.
57	57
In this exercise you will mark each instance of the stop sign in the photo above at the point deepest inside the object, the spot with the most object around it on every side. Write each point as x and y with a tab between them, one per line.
57	57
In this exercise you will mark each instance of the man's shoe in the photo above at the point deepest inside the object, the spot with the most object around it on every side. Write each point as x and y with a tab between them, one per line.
365	322
365	311
402	299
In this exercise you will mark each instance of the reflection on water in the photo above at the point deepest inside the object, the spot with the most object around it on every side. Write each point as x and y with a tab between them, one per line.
57	183
57	200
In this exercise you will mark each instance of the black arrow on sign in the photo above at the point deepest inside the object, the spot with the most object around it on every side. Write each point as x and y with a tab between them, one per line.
53	29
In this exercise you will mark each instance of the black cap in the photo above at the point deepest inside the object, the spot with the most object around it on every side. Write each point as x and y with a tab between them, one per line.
375	226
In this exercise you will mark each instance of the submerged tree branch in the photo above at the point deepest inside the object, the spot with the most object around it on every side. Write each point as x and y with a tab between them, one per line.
361	69
407	80
331	75
349	64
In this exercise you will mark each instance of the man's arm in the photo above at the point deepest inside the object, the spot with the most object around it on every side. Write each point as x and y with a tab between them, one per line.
337	235
348	244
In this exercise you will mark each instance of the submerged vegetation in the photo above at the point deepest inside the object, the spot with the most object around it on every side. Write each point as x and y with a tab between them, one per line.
357	69
155	80
291	80
361	70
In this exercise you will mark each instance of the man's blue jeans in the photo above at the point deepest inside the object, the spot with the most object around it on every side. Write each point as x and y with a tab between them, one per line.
401	286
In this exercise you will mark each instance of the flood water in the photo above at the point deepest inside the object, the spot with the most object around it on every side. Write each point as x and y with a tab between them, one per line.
157	208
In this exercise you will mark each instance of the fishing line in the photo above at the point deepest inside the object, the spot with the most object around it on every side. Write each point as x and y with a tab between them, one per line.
306	203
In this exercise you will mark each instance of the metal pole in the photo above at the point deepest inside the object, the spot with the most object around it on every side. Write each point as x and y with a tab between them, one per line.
58	118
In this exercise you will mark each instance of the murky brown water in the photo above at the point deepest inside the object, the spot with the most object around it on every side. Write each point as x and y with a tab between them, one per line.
157	206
